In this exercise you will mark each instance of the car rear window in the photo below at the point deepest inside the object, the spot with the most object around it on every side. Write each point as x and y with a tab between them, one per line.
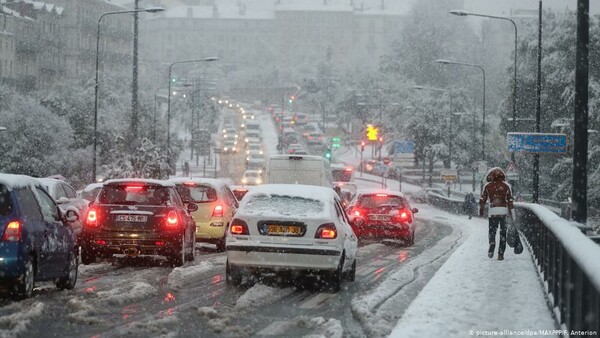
341	175
134	194
6	206
284	205
377	200
197	193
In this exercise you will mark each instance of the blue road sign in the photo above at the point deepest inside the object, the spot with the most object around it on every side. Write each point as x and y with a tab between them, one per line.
403	147
537	142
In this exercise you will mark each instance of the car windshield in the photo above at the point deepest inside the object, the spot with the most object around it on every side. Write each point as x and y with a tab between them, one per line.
378	200
6	207
197	193
252	174
134	194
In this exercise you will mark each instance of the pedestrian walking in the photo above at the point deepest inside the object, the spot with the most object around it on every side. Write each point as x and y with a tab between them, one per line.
499	194
186	169
470	204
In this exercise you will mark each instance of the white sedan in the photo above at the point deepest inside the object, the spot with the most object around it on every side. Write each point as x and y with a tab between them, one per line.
283	227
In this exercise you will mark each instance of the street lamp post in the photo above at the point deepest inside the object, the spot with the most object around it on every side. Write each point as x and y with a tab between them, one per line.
155	113
514	96
448	62
449	119
148	10
209	59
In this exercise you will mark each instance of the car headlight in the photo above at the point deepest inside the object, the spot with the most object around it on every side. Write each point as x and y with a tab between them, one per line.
247	152
261	152
258	181
247	140
244	180
225	136
225	148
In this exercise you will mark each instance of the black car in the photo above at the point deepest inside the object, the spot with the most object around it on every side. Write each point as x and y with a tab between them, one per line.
37	242
136	217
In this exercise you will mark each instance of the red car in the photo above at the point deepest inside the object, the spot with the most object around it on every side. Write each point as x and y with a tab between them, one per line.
382	214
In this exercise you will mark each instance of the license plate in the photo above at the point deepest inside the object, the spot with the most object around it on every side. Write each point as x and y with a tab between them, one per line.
380	217
132	218
275	229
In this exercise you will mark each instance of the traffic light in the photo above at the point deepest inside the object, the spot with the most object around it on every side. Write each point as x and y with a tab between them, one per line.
328	154
335	142
362	145
372	133
291	100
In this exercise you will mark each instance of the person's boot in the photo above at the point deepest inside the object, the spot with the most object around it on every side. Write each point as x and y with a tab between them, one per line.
500	257
491	250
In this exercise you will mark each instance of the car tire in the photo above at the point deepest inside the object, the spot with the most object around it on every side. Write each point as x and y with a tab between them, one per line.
221	244
178	257
411	239
24	286
233	274
87	257
191	256
352	272
68	282
337	277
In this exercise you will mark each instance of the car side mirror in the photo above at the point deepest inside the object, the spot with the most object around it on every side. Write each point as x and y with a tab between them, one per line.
415	210
192	207
63	200
71	216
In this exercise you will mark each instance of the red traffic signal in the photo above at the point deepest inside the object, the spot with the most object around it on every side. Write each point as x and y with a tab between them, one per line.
362	145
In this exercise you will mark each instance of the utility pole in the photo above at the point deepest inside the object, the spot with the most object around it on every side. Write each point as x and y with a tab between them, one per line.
134	82
538	110
580	149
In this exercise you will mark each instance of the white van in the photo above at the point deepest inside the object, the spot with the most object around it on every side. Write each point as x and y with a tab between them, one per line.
299	169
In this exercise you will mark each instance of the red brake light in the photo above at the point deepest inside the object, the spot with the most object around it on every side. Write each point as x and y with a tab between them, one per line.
403	216
348	169
218	211
238	227
189	184
326	231
133	188
172	218
357	213
12	233
92	217
381	195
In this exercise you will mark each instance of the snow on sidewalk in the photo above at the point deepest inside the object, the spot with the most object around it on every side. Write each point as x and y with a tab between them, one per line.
472	292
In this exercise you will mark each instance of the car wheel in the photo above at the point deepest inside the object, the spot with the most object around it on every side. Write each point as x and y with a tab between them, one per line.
338	276
25	284
178	257
87	257
68	282
233	274
352	273
411	239
221	245
190	257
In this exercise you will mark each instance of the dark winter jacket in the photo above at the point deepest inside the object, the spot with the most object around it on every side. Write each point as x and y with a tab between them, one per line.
499	194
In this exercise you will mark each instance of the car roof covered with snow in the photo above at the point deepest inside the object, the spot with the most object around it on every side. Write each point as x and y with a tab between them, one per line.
213	182
379	191
139	180
17	181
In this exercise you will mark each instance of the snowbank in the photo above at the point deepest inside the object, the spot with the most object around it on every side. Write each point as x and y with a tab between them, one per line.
260	295
17	322
184	275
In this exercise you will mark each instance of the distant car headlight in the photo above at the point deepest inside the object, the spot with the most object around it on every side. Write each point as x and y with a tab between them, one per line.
247	152
261	152
225	136
258	181
225	149
224	131
244	180
247	140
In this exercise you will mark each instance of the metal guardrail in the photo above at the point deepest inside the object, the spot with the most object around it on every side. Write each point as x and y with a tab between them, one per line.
567	261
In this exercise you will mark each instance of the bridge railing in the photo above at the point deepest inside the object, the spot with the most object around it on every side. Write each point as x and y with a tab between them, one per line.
569	263
567	260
